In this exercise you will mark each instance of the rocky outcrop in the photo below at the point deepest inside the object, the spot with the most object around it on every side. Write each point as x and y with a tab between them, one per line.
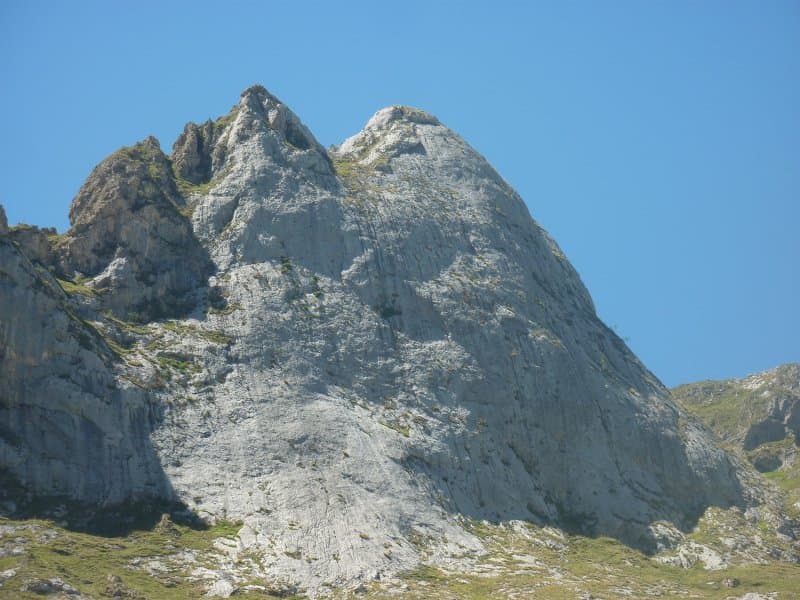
759	414
394	349
196	155
37	243
68	426
130	238
3	220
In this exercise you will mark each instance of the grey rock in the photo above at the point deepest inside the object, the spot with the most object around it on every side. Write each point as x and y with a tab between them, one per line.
392	346
131	239
406	331
730	582
783	419
222	588
35	242
3	220
45	587
68	426
196	156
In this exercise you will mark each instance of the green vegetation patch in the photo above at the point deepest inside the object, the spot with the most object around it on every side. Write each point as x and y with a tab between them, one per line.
400	428
353	173
529	562
210	335
57	239
109	566
126	326
77	287
187	188
525	561
224	310
725	407
169	361
225	120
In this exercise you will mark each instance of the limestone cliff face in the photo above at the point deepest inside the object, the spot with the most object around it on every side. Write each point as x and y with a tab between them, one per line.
67	427
382	344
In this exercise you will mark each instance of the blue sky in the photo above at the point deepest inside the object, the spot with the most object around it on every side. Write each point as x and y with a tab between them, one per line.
658	142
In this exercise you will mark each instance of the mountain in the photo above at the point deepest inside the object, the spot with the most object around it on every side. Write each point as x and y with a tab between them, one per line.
365	357
757	417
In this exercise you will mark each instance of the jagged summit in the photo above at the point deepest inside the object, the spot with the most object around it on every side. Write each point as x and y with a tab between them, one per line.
257	103
355	354
260	93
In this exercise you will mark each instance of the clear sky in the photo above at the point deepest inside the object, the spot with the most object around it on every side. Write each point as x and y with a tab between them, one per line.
658	142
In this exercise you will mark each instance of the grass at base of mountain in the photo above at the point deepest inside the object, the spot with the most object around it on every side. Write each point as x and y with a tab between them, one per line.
522	561
523	566
92	563
603	580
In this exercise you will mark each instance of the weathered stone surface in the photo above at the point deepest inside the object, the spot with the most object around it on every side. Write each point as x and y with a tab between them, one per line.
394	347
196	155
405	331
67	425
3	220
55	587
129	237
222	588
35	242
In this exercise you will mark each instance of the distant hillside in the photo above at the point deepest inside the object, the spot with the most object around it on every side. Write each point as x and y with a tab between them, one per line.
758	416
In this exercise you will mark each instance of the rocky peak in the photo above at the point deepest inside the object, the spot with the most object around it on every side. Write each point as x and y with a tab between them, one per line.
259	108
411	151
192	152
424	145
129	179
402	114
35	242
391	132
130	238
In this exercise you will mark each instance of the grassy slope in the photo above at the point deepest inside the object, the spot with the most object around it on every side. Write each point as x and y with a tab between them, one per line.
98	566
730	407
524	561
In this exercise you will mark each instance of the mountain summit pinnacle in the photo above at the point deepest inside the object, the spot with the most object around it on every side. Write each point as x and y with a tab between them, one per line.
262	105
348	352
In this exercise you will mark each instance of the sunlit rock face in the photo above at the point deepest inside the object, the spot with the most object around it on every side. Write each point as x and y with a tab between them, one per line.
374	343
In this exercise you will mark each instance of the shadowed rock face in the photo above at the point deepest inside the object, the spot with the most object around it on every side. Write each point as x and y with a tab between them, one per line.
397	346
191	153
67	427
128	235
